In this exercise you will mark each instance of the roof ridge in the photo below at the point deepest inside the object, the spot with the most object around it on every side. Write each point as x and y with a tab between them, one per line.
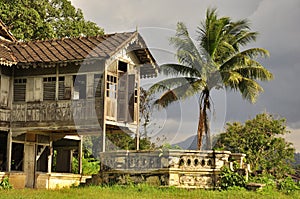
70	38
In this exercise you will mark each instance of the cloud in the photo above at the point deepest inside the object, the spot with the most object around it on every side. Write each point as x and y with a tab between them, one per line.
275	20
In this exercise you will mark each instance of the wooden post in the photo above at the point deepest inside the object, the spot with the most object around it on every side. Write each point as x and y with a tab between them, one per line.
104	109
80	155
8	152
138	111
50	157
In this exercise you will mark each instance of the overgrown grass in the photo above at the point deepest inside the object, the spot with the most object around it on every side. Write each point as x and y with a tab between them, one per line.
142	191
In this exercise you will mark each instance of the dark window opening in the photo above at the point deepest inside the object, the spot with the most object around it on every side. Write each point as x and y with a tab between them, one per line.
3	151
42	158
122	66
79	87
17	156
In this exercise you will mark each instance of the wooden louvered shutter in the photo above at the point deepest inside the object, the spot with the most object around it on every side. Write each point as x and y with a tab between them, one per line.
20	90
49	85
131	87
61	88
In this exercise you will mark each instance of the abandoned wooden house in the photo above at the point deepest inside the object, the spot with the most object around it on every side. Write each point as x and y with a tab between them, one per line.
54	91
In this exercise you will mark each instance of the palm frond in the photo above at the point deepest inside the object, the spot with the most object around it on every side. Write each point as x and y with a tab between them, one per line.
255	72
182	92
178	69
171	83
239	58
187	52
250	89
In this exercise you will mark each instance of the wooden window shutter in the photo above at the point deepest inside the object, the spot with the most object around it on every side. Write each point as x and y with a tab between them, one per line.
68	86
131	88
4	90
122	98
38	89
97	85
29	89
20	90
90	85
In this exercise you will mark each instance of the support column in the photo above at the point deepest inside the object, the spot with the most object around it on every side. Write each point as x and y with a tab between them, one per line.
80	156
50	157
8	152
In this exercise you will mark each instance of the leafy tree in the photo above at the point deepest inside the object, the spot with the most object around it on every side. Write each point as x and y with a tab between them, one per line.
261	140
214	62
44	19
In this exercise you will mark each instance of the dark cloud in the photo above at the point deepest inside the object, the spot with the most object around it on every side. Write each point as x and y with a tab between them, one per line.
275	20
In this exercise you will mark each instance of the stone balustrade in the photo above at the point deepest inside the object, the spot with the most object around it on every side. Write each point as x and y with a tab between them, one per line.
181	168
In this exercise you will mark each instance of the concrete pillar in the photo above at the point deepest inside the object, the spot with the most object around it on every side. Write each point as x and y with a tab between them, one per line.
50	156
80	156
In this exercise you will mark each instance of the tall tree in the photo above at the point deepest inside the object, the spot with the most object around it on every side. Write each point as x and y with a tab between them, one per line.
45	19
216	61
261	140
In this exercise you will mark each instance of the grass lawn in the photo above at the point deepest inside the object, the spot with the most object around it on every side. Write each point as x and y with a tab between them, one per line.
140	191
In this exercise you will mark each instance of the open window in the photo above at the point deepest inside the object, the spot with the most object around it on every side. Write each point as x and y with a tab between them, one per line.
17	156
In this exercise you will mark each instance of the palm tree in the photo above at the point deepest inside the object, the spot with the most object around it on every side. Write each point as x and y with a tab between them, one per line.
214	62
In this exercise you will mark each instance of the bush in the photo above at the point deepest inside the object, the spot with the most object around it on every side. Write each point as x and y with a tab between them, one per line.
4	184
231	179
288	185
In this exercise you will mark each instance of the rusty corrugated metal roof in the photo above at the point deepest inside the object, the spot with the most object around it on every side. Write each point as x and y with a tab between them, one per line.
69	49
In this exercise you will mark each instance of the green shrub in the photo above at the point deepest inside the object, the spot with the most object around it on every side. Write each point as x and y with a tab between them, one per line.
266	179
4	184
288	185
231	179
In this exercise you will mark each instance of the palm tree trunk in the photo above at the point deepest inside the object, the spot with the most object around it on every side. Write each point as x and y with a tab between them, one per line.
206	120
200	126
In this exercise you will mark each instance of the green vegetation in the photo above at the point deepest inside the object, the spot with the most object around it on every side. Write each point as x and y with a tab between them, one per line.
32	20
143	191
4	184
216	61
261	140
231	179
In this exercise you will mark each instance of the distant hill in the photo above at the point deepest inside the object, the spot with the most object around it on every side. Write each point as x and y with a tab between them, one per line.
189	144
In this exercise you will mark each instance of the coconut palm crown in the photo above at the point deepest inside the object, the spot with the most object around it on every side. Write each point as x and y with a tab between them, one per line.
214	61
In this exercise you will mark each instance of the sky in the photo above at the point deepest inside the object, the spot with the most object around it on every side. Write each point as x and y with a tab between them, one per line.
277	21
